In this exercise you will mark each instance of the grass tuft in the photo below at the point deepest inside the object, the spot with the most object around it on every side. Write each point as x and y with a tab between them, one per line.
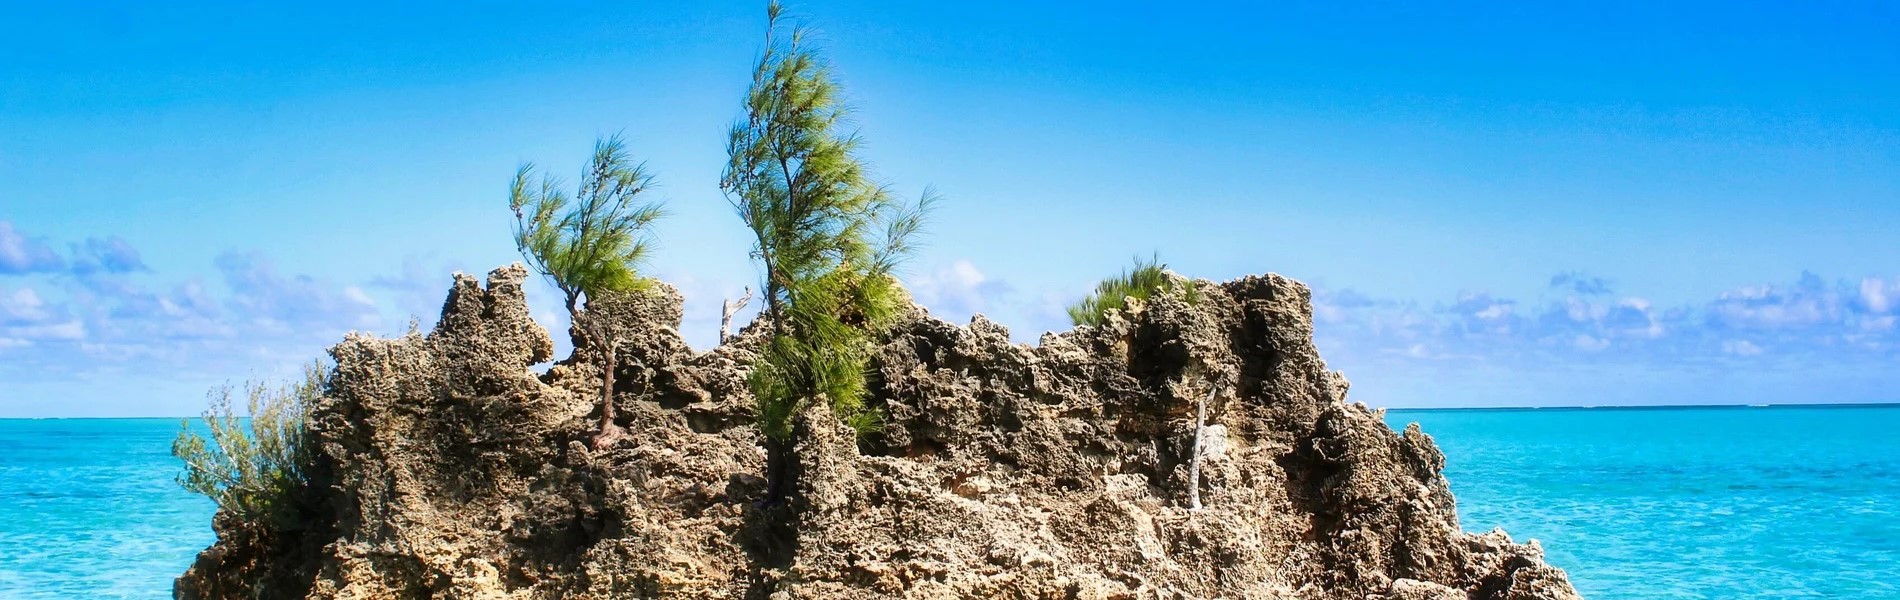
1147	278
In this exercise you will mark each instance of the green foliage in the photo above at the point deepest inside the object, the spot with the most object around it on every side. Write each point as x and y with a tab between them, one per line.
255	466
826	236
1147	278
593	242
589	245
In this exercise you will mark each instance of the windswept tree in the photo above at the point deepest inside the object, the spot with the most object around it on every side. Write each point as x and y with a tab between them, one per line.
589	245
827	238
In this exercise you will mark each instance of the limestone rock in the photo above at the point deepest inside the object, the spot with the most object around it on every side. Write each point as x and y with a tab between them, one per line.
451	470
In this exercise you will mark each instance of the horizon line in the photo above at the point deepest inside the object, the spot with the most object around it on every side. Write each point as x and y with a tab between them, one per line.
1879	404
1882	404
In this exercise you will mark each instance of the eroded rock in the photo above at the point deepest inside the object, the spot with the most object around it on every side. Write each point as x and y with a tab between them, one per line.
1004	470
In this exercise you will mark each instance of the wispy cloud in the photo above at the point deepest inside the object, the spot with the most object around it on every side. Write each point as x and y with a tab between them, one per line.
1577	282
26	320
1810	319
415	289
274	303
20	254
959	290
104	313
106	255
100	313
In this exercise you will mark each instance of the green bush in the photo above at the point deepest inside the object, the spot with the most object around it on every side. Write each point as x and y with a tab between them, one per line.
253	466
1148	277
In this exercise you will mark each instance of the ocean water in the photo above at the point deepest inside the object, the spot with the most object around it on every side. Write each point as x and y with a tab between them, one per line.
88	509
1742	503
1634	504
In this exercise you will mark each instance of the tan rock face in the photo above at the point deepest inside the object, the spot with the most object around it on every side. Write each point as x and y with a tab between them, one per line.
1004	471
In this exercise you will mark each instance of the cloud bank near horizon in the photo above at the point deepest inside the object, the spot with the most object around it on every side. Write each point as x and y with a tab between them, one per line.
95	310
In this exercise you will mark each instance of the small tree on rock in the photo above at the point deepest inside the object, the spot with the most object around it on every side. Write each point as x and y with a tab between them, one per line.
827	238
589	245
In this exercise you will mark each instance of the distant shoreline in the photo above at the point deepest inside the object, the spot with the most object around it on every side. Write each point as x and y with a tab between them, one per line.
1650	407
1387	409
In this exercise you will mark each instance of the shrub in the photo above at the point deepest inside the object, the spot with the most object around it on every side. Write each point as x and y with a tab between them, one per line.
1141	283
253	466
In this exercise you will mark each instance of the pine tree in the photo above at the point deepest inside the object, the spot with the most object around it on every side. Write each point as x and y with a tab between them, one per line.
589	245
827	238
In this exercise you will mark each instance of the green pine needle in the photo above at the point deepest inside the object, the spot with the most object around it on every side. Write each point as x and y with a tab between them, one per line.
826	235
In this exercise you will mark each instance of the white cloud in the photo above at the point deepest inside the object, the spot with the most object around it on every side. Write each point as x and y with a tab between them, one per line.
1806	303
102	321
106	255
274	303
56	332
1576	282
26	318
1877	295
1480	314
1589	343
20	254
958	290
1806	321
1633	317
1741	348
1876	325
22	306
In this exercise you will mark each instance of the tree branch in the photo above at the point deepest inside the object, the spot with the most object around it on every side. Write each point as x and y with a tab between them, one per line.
726	312
1194	468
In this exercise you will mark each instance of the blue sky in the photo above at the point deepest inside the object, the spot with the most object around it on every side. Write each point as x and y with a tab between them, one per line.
1497	203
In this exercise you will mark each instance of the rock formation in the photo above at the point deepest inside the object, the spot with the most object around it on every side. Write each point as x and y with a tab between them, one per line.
452	470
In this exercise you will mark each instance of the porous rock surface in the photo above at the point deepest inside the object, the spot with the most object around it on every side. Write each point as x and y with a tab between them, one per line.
451	469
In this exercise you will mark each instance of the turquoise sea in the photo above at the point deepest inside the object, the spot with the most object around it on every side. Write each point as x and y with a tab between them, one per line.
1776	502
88	509
1654	503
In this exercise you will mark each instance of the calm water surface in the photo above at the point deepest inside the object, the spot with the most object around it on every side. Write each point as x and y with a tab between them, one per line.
1635	504
88	509
1776	502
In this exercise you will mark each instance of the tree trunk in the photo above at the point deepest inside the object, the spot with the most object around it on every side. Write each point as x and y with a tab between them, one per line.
781	468
609	433
1194	468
